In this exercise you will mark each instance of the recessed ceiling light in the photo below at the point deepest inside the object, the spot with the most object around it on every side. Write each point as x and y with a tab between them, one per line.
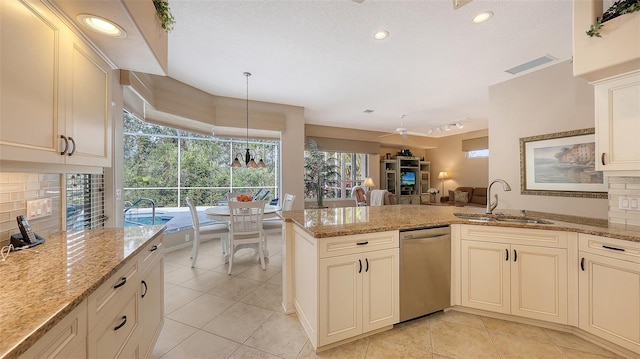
482	17
381	35
101	25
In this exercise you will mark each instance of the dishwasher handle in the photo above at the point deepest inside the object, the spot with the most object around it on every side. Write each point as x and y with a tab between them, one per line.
426	238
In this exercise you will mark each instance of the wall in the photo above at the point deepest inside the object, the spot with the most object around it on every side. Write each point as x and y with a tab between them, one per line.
448	156
546	101
16	189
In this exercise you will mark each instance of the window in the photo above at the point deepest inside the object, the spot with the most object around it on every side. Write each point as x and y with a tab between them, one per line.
168	165
477	154
353	170
85	201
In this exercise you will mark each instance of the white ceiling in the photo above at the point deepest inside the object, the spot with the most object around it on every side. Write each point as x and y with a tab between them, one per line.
435	67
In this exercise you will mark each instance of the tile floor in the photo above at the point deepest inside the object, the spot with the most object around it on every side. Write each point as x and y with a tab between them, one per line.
209	314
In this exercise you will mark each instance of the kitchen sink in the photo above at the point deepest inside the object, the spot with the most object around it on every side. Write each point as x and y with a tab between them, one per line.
501	218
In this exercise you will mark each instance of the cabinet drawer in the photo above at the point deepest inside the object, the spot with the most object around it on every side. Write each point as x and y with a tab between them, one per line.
150	252
357	243
117	328
113	292
610	247
531	237
67	339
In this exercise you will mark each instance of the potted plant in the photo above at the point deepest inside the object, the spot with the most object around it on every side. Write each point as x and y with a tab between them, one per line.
319	173
433	192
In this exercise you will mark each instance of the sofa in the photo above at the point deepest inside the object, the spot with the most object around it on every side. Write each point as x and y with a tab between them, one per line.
466	196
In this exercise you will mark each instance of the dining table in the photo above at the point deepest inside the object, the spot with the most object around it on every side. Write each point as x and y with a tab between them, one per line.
221	213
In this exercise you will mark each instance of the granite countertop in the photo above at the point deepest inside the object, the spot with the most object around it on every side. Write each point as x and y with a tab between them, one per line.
44	283
332	222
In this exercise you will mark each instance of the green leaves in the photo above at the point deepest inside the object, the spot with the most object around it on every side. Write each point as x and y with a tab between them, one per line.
164	13
618	8
319	170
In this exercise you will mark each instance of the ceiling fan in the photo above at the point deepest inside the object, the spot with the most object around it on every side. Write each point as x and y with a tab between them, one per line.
402	131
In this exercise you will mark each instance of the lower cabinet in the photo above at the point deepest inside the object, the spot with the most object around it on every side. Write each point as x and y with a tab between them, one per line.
501	273
610	290
357	294
117	330
151	306
346	286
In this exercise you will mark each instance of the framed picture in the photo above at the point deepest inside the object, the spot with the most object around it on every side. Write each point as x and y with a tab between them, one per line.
561	164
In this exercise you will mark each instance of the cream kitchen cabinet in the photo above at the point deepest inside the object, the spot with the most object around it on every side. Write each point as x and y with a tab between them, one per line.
618	123
346	287
516	271
609	289
151	296
55	103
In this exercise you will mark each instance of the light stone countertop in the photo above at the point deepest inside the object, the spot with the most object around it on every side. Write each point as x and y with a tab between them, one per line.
44	283
333	222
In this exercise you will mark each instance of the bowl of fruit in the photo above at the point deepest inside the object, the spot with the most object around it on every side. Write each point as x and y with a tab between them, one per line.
244	198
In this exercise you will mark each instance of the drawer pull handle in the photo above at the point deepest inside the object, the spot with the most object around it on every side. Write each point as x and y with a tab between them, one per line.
362	243
123	281
360	261
602	158
613	248
145	289
153	248
582	264
124	321
367	261
73	142
506	252
515	255
66	144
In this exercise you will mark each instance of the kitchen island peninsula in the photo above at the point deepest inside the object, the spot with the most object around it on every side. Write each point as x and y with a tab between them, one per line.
340	266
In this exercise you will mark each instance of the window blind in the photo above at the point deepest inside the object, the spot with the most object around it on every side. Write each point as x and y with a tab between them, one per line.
475	144
85	201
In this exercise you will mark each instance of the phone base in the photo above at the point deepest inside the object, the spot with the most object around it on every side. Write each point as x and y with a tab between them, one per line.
19	243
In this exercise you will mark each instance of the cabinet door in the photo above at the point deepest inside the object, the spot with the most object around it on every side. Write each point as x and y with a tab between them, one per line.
381	288
618	123
539	287
88	103
485	276
117	331
151	307
31	83
610	299
340	290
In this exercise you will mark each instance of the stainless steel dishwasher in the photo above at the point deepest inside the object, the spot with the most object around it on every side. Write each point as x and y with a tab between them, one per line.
425	271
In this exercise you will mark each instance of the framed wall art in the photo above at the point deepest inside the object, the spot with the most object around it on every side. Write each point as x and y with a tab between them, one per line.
561	164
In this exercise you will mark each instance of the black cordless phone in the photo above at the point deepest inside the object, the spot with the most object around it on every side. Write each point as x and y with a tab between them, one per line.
27	234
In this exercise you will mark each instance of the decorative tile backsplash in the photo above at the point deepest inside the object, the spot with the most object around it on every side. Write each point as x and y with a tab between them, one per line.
625	187
18	188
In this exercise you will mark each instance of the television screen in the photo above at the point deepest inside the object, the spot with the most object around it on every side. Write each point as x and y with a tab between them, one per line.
408	179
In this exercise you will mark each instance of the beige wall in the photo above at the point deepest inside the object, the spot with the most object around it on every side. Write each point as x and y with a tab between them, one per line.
448	156
546	101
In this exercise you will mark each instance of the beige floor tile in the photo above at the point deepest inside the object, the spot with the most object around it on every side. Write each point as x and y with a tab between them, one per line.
510	346
276	279
203	345
239	267
382	349
236	288
256	273
209	262
173	333
454	316
354	350
245	352
238	322
268	296
281	335
461	341
414	334
275	260
183	274
517	329
571	341
177	297
576	354
211	247
201	310
206	281
170	267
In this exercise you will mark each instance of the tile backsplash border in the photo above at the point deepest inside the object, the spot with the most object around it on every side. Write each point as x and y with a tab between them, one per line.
623	187
16	189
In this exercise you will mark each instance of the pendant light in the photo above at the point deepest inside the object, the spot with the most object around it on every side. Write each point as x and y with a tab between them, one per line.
248	159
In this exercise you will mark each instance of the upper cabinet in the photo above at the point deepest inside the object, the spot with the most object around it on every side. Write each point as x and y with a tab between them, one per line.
616	52
617	103
55	103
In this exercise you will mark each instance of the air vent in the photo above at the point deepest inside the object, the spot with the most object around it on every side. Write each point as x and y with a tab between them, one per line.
530	64
368	111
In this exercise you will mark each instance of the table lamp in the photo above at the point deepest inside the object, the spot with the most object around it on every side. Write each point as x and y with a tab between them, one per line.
368	182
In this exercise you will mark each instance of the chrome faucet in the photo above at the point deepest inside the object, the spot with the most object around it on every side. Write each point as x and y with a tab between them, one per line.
492	206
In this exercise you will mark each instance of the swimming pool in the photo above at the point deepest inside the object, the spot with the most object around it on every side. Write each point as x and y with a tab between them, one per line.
146	220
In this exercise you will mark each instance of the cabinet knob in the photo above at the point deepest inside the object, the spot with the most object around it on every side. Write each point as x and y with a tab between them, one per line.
602	159
66	144
73	142
582	264
506	252
124	321
122	282
145	289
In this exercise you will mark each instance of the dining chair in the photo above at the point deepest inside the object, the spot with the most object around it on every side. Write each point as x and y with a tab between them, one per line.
218	230
359	195
246	228
274	225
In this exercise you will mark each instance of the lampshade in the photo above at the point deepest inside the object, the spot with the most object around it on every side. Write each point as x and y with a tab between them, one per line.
368	182
443	175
